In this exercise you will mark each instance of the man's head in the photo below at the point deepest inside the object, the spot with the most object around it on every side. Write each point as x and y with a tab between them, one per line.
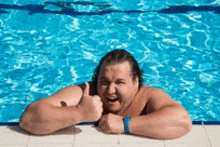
115	57
117	79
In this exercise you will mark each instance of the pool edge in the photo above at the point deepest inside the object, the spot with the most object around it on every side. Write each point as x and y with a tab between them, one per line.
92	123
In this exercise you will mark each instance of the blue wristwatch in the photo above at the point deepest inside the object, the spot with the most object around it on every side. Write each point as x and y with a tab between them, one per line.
126	121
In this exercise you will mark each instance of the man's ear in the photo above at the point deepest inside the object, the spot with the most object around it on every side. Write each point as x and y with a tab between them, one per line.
136	82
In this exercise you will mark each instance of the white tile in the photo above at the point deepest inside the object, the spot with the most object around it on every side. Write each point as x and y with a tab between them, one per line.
13	138
14	145
51	145
212	128
3	128
65	136
198	128
191	138
15	129
128	138
87	128
149	144
52	139
95	137
214	138
215	145
191	144
96	145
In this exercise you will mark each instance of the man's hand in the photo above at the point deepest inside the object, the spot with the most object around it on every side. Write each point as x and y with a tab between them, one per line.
112	123
90	106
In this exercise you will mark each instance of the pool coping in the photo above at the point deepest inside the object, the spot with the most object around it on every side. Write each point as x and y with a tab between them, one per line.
95	123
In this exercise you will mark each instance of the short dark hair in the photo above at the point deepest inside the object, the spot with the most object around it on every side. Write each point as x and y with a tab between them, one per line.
119	56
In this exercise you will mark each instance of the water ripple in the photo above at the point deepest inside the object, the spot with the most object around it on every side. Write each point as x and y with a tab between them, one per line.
44	46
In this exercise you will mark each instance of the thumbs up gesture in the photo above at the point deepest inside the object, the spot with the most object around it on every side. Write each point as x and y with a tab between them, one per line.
90	106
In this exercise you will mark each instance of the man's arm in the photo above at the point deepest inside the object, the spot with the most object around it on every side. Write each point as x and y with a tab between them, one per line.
167	123
63	109
165	119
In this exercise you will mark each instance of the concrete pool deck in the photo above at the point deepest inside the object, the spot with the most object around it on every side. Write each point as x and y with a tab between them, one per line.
89	135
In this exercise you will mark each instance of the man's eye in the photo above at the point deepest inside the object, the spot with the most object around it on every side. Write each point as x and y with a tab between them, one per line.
119	82
104	82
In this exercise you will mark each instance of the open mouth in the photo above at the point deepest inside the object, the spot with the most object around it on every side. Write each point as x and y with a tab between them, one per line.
112	99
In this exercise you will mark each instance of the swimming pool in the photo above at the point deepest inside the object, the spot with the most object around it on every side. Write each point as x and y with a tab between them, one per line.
47	45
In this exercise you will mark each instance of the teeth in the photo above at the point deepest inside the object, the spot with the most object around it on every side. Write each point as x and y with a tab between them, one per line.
113	99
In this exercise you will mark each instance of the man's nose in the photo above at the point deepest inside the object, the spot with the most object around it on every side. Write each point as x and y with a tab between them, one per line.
111	88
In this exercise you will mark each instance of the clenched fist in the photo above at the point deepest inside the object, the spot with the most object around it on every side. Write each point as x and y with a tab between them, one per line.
90	106
112	124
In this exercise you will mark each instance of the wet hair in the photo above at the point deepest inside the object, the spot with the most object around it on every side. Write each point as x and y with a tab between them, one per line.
115	57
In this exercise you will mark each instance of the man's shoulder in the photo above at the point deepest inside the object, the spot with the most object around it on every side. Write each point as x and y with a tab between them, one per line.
148	89
153	94
151	89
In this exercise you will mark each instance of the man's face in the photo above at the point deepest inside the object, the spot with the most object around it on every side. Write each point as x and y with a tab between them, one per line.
116	87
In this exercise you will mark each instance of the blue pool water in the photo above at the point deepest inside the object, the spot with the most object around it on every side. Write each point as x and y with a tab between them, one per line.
47	45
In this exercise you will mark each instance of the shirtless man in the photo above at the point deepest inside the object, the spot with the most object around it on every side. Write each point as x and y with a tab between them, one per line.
116	98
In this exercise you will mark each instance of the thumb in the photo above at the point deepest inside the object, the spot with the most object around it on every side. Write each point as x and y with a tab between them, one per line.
86	89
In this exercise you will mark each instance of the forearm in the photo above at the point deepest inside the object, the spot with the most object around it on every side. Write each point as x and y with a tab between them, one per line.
44	118
166	123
